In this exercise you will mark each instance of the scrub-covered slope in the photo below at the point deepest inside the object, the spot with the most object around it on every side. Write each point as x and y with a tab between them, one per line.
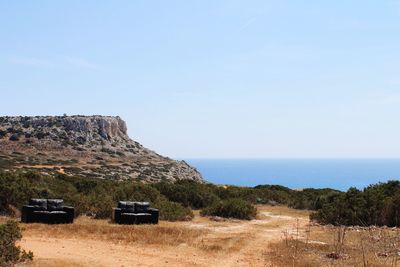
95	146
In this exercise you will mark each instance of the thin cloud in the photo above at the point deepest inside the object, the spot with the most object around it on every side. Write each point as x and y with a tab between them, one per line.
247	24
32	62
385	98
81	63
391	99
60	62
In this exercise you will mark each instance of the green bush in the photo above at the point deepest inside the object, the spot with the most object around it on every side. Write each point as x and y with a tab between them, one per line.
188	193
14	190
376	205
172	211
9	252
99	204
309	198
231	208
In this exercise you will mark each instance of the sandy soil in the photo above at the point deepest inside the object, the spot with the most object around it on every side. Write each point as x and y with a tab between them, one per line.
227	243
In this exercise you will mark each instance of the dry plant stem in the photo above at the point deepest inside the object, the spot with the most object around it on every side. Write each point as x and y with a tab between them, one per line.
308	232
365	263
296	241
339	240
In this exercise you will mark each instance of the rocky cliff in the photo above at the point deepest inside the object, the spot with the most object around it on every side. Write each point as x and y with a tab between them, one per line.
96	146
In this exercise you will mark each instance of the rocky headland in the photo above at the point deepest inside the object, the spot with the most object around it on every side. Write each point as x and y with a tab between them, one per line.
93	146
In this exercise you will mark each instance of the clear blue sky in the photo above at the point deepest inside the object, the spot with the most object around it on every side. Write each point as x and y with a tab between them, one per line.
213	78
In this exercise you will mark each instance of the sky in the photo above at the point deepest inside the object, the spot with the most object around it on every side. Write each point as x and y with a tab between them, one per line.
213	79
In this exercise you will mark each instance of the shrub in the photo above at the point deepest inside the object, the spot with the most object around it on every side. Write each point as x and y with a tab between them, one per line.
100	205
40	135
172	211
14	190
14	137
375	205
188	193
107	150
232	208
9	252
309	198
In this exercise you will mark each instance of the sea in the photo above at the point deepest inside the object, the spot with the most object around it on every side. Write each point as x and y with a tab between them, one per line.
340	174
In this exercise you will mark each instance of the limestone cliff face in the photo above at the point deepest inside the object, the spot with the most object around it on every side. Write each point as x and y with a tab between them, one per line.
97	146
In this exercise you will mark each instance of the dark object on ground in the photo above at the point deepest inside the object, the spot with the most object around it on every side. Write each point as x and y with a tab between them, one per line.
50	211
334	255
135	213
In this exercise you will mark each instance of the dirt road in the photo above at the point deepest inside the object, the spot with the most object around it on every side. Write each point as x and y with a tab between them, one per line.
227	243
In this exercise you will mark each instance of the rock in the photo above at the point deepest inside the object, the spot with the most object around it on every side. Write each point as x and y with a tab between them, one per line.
333	255
95	146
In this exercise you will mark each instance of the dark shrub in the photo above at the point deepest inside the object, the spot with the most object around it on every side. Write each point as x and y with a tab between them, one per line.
172	211
2	133
40	135
188	193
14	137
232	208
9	252
81	140
100	205
375	205
309	198
14	190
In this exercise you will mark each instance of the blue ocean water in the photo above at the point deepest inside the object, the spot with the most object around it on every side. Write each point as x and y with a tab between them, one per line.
299	173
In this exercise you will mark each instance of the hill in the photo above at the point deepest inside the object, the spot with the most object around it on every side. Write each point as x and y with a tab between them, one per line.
92	146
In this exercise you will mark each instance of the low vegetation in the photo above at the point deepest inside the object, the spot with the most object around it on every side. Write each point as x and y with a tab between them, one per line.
377	204
96	197
232	208
10	254
93	197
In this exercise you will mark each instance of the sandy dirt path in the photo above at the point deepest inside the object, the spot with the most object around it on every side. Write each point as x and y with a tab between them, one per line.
228	243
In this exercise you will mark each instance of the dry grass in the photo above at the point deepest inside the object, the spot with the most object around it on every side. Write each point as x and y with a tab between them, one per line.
4	219
283	232
336	246
280	210
85	228
225	244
